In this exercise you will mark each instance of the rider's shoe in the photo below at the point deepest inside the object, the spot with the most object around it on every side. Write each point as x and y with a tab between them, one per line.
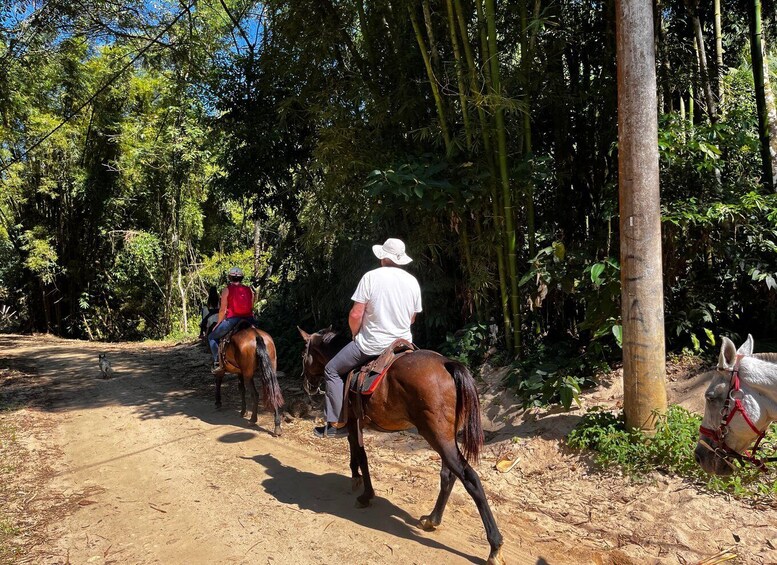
217	370
330	431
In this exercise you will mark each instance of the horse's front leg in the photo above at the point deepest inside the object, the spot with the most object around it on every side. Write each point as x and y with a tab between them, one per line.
363	500
218	391
353	444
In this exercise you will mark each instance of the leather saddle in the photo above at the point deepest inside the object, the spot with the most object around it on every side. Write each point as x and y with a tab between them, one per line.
367	378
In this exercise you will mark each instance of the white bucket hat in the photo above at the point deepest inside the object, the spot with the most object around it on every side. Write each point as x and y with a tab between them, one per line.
393	249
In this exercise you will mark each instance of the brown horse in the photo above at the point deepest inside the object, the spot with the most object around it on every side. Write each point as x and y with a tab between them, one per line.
250	351
426	391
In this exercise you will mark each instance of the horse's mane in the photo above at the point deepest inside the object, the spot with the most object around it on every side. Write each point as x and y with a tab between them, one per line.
768	357
333	339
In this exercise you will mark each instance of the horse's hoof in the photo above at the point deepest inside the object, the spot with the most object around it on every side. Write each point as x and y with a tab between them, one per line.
242	413
356	483
253	420
277	432
427	524
218	405
363	501
496	558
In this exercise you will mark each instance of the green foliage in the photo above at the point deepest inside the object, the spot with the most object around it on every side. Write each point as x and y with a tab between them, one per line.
468	345
540	388
214	268
321	131
434	185
670	450
721	263
41	256
556	274
554	373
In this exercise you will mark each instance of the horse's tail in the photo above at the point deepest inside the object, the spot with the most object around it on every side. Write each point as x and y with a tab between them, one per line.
271	390
467	410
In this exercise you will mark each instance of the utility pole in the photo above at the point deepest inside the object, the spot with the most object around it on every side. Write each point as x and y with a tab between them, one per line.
642	293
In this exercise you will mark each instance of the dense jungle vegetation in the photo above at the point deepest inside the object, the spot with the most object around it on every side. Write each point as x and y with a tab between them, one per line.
146	147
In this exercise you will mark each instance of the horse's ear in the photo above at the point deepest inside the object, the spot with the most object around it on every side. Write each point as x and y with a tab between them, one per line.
747	347
305	335
326	331
728	354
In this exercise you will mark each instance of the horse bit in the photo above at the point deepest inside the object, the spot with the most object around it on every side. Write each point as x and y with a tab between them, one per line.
727	414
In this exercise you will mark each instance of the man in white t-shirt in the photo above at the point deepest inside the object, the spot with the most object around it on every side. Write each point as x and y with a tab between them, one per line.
385	305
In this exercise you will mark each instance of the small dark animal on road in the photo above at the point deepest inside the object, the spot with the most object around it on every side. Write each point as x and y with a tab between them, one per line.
105	366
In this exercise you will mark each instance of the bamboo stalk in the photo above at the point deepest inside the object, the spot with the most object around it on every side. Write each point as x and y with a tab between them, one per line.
459	74
718	27
485	130
430	34
507	204
432	80
525	64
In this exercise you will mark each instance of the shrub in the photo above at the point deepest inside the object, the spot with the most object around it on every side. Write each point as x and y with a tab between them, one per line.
469	344
670	450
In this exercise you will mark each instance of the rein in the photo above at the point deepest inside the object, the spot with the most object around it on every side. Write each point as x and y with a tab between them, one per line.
305	379
727	413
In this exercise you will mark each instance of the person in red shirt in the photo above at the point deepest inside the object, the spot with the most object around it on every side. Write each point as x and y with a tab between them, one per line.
237	303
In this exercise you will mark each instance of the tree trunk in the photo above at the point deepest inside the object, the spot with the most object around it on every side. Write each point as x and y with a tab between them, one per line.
701	54
642	305
771	113
756	51
182	292
666	67
719	68
257	250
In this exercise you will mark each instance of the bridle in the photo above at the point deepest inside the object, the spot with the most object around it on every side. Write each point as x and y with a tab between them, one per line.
731	407
305	379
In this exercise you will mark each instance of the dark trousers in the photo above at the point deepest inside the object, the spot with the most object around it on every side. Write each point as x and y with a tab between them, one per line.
348	358
220	331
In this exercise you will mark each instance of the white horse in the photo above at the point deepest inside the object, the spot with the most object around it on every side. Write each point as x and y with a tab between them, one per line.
741	403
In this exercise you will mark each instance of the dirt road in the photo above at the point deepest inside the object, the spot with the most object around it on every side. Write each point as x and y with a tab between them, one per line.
151	472
167	478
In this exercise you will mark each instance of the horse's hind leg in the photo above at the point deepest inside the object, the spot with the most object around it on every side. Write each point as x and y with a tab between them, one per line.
452	457
447	480
241	385
277	432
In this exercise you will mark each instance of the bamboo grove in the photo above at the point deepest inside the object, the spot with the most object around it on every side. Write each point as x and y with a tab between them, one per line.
287	137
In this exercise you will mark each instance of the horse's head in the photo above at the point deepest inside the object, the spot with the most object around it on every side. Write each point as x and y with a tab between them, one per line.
734	413
320	347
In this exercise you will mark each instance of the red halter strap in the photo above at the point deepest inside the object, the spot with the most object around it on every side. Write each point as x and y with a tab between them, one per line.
727	414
